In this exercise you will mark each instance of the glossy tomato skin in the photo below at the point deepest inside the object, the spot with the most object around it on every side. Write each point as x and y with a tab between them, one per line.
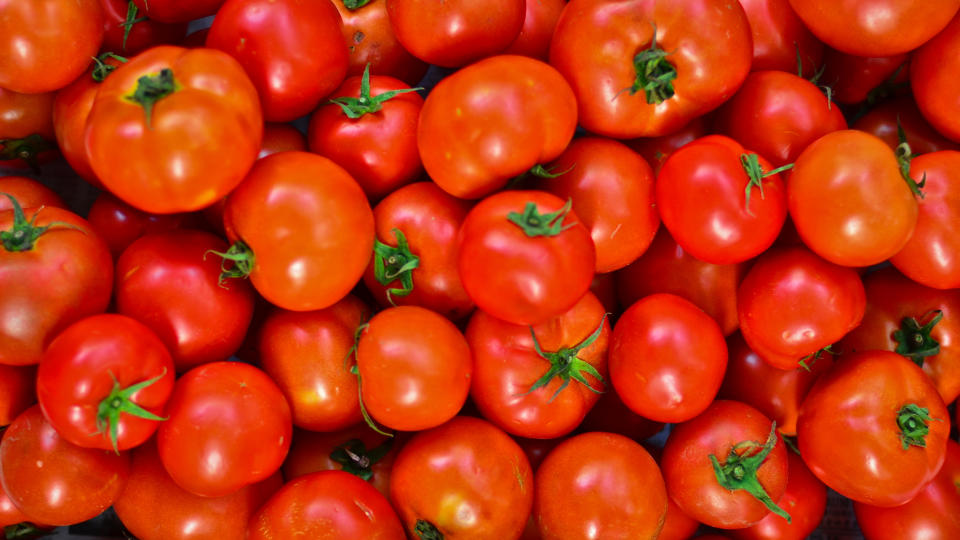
855	78
689	474
9	514
28	192
923	139
371	40
779	36
304	353
792	303
472	116
612	189
153	507
170	283
281	138
595	42
934	90
519	278
47	44
55	482
212	458
313	451
178	11
539	23
466	478
142	35
74	266
214	105
120	224
460	31
656	150
667	358
318	265
612	481
856	405
26	129
17	391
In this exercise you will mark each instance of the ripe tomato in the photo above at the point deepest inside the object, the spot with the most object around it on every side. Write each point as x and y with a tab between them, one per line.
472	117
854	79
127	31
153	103
464	479
610	415
281	138
688	57
779	37
210	457
120	224
17	391
371	41
357	450
934	89
524	256
9	514
539	23
656	150
792	304
612	482
174	11
676	524
287	230
26	128
886	416
29	193
52	481
726	467
882	121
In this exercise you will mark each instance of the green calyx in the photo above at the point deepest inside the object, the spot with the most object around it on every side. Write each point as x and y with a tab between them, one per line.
755	174
427	531
393	263
904	156
354	5
355	107
355	459
102	69
809	360
815	78
118	402
151	89
237	262
350	364
24	234
740	470
23	531
27	148
655	74
130	20
913	421
914	341
566	365
536	224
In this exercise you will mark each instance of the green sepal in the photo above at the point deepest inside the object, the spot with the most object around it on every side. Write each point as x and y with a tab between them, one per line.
740	471
355	459
914	341
355	107
118	402
427	531
102	69
128	22
913	421
566	365
23	234
393	263
536	224
655	74
26	148
809	360
354	5
755	175
241	257
151	89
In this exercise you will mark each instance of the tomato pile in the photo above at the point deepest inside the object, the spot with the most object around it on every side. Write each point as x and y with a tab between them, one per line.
480	269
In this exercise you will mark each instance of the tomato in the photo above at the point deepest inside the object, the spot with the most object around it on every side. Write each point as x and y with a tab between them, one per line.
538	24
676	524
612	482
168	282
854	79
120	224
174	11
610	415
455	33
52	481
875	28
210	457
464	479
540	381
70	261
9	514
778	115
726	467
779	37
792	304
612	190
29	193
126	31
604	287
422	272
932	255
888	418
153	103
667	358
688	57
281	138
882	122
45	44
848	200
472	117
304	353
17	391
369	127
357	450
414	368
26	128
656	150
933	88
371	41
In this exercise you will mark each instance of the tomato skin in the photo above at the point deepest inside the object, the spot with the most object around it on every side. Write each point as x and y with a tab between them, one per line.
676	524
854	78
470	117
610	415
143	34
792	303
28	192
318	266
216	107
539	23
120	224
595	42
933	88
370	40
23	115
178	11
47	43
281	138
55	482
195	434
311	452
460	31
779	36
882	122
17	391
9	514
304	353
667	358
656	150
613	482
467	478
856	405
168	282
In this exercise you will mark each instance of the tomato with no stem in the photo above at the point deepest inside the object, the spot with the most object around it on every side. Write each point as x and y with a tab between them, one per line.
28	192
26	129
120	224
934	88
854	79
610	415
779	37
370	40
178	11
539	23
126	31
281	138
656	150
883	119
357	450
17	391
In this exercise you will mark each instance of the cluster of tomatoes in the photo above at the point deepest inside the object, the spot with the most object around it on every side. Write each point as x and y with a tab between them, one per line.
458	316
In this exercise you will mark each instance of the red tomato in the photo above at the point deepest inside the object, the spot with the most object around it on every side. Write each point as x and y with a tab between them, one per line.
933	87
610	415
656	150
211	457
281	138
688	57
369	127
667	358
304	353
524	256
26	128
52	481
888	418
173	11
726	467
676	524
604	287
882	122
45	44
9	514
29	193
318	265
779	36
454	33
792	304
853	79
492	121
153	507
17	391
371	41
120	224
357	450
198	95
464	479
127	31
538	24
612	482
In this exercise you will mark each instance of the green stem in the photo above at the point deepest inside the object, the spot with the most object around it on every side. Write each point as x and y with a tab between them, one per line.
915	341
755	174
118	402
536	224
355	107
130	20
740	471
809	360
151	89
427	531
393	263
355	370
904	157
355	459
23	234
655	74
242	258
26	148
913	421
103	69
566	365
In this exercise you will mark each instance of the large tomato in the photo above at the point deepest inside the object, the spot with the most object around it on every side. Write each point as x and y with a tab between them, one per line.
120	224
127	32
539	23
780	37
656	150
883	121
26	128
17	391
357	450
642	68
371	41
934	88
151	105
854	79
